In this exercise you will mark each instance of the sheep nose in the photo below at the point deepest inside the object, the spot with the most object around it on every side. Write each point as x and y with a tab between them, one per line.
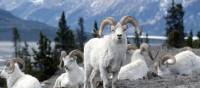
119	35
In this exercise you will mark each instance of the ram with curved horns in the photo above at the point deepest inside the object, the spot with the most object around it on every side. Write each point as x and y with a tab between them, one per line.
105	55
183	63
74	74
16	78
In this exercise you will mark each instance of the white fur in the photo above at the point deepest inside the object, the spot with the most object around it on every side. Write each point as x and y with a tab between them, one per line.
136	69
18	79
73	77
187	63
104	55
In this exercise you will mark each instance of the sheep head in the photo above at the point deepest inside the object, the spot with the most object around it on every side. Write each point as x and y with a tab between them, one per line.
11	65
144	47
70	59
118	30
163	63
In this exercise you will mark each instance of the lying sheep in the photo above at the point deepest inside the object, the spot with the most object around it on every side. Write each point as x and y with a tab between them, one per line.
183	63
137	68
106	55
15	78
74	75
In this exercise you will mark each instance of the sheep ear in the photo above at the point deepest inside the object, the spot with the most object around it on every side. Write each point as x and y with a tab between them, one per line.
124	27
112	28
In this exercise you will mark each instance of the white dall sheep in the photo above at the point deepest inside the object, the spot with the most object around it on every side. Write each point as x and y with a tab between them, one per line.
137	68
183	63
15	78
107	54
74	75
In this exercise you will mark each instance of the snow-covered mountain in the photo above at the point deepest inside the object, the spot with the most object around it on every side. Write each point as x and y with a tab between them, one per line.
29	30
150	13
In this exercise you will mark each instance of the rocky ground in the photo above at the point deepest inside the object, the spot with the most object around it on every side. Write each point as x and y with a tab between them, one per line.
181	82
155	82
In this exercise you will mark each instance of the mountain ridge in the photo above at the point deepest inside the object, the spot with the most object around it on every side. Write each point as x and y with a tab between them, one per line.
25	27
149	13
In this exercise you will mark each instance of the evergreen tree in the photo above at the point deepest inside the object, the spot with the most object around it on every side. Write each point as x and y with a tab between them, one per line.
198	35
44	64
95	30
137	39
147	38
16	41
189	40
174	26
80	33
27	58
196	43
64	39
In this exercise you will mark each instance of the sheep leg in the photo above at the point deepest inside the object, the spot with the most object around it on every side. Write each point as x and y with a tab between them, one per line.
92	79
88	71
105	77
114	79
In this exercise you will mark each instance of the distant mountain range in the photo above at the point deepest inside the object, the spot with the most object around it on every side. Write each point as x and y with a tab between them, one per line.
29	30
150	13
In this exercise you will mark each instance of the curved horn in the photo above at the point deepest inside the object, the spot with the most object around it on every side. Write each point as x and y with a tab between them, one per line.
167	57
10	64
128	19
106	21
63	54
20	61
76	52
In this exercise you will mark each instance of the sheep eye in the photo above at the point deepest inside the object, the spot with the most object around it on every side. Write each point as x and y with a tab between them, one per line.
113	30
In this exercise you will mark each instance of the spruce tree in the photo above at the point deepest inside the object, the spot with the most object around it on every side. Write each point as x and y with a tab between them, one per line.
137	39
81	33
16	41
44	61
95	30
174	26
147	38
27	58
198	35
64	39
196	43
189	40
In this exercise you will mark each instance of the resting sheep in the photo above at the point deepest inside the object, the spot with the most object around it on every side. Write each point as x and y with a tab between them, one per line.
183	63
137	68
74	75
15	78
107	54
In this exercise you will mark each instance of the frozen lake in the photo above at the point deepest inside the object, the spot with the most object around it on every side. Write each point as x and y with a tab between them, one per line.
7	48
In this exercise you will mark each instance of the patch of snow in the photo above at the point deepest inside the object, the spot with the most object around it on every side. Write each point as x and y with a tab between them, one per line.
38	2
